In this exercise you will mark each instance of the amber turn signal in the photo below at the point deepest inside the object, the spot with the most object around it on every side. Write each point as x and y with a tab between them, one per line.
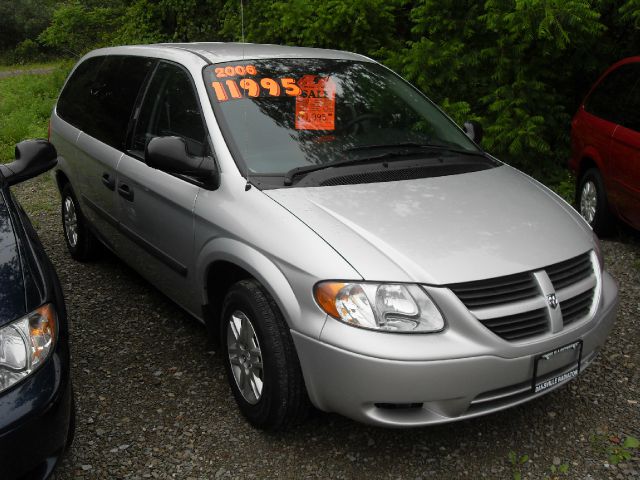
325	294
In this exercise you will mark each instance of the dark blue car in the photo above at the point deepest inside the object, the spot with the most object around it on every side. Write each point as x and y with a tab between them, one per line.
36	398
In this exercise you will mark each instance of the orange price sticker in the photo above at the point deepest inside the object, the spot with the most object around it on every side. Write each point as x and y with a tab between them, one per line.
235	71
248	87
316	103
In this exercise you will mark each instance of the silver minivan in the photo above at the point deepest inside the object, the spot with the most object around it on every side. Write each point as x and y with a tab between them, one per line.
344	241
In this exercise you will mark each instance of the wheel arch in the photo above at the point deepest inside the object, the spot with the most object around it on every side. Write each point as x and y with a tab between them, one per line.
222	263
61	179
590	158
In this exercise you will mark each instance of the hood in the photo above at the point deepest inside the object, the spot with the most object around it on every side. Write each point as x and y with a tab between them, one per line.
12	293
442	230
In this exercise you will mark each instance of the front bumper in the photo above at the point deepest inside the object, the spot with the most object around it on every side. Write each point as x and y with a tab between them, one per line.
34	420
408	388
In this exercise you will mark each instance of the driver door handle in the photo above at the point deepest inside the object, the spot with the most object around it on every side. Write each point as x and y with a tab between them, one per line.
125	192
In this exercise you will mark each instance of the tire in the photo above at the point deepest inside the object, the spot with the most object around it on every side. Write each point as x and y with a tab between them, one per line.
81	243
256	340
592	203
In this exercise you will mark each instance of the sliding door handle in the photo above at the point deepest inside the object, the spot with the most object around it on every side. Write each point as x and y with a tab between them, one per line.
108	181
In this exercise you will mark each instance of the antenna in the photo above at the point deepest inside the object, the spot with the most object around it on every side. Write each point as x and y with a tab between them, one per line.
242	18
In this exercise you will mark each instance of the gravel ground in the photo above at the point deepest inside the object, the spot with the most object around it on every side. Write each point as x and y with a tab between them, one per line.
153	400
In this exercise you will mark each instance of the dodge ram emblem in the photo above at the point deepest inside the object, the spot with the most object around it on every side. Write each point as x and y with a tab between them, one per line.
553	300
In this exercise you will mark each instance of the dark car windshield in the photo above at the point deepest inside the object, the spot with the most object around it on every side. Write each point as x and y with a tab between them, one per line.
282	114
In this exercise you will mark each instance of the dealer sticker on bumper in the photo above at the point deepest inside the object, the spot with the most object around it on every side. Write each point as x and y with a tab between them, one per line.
557	366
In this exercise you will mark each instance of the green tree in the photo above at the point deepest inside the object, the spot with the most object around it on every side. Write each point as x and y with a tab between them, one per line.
79	27
520	66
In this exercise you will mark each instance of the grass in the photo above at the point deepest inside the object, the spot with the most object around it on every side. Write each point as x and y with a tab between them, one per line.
29	66
25	106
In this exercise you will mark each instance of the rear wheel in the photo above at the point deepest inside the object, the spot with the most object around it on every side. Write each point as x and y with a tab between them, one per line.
81	243
591	199
260	359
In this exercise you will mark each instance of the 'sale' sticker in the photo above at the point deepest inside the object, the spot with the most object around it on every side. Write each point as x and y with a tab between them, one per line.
316	105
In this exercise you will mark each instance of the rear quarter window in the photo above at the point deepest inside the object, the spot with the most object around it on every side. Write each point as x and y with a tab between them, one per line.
610	99
99	96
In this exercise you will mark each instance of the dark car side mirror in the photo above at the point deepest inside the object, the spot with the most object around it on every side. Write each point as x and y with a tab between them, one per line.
33	157
473	130
170	155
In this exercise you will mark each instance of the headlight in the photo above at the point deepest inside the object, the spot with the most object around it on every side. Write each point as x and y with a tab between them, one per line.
380	306
25	344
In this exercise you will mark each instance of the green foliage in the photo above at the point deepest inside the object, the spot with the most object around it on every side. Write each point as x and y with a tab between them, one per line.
78	27
171	21
22	20
25	106
558	472
616	450
630	11
364	26
516	463
520	67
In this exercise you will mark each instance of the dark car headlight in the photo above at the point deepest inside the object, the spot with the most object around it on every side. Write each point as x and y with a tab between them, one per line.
25	344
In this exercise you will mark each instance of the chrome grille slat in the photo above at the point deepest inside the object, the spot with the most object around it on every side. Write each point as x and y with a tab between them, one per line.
519	325
580	298
491	285
527	334
570	271
481	293
498	322
577	288
577	307
514	307
492	301
509	309
498	291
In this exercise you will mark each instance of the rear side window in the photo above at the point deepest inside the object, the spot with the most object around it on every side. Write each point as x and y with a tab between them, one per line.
610	98
100	95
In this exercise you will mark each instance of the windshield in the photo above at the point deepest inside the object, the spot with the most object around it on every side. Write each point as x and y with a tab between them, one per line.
282	114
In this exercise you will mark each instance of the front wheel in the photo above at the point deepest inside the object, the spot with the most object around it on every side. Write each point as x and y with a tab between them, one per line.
260	359
591	199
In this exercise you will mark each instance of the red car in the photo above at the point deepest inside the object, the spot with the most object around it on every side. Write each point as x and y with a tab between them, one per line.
605	144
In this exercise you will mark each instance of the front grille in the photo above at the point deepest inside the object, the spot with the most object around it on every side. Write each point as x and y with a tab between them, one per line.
496	291
576	307
514	307
570	271
520	325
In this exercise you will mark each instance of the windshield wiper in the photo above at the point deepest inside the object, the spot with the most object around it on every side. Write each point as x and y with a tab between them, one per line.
288	177
414	145
402	150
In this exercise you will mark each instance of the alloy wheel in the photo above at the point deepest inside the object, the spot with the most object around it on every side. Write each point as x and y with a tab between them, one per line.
588	201
245	357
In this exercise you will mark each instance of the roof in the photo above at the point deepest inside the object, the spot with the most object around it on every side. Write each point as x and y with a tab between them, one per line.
217	52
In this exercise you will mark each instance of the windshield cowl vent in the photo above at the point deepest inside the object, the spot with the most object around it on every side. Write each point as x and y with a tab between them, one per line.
397	174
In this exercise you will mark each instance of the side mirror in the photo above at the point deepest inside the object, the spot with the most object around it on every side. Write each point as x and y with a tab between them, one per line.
473	130
33	157
170	155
